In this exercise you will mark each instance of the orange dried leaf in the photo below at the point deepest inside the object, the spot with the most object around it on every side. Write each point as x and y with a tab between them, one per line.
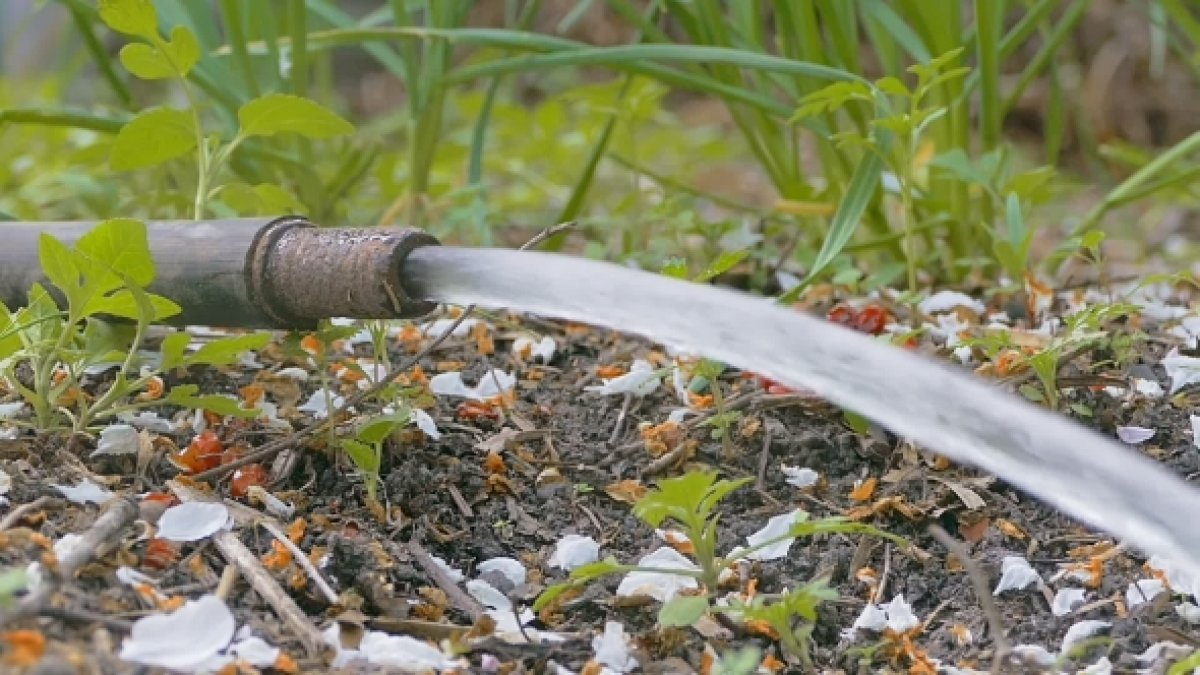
286	664
974	532
772	664
311	344
295	530
494	464
609	372
25	647
1010	529
629	491
154	390
279	557
863	490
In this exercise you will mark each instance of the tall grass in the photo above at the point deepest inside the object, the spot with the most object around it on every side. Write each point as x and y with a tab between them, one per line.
763	59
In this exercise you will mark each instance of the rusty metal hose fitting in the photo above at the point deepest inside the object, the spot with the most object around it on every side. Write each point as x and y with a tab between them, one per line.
297	273
249	272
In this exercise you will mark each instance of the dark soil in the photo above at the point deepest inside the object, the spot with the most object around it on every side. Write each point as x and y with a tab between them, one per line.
445	496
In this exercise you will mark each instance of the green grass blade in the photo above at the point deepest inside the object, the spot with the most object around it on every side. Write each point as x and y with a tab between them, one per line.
298	15
1050	48
234	24
63	117
895	28
625	55
859	193
382	54
84	19
989	21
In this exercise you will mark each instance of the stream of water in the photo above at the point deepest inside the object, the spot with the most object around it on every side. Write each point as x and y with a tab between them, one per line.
1097	480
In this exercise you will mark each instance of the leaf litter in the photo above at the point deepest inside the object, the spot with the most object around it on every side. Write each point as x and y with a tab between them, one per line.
499	532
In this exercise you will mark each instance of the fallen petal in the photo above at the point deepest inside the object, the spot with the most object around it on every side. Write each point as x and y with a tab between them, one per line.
574	550
85	492
192	521
183	639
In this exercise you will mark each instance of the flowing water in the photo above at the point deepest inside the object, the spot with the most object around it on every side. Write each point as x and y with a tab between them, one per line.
1086	475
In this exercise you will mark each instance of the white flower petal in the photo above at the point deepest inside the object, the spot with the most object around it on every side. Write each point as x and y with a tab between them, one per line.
425	423
661	586
1034	655
437	328
117	439
293	372
1183	370
183	639
873	618
1142	591
1195	430
404	652
509	567
319	403
1016	574
574	550
1189	612
900	616
641	380
10	410
150	421
1148	388
1066	600
255	651
455	574
612	648
1135	435
945	301
85	492
800	477
487	595
775	527
493	383
192	521
5	482
1080	632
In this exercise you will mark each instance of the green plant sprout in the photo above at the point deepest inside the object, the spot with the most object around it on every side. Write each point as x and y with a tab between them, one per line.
900	146
707	373
48	347
692	502
11	582
366	448
157	135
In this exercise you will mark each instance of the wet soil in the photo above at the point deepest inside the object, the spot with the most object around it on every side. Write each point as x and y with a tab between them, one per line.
472	495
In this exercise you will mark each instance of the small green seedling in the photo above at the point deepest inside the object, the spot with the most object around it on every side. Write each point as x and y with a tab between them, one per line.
49	347
722	423
691	502
11	582
158	135
366	448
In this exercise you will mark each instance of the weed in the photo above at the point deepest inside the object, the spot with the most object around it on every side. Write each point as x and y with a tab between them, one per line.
58	342
366	448
692	502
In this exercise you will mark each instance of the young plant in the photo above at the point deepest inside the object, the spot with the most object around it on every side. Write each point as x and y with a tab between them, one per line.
692	502
49	347
901	117
723	422
157	135
366	448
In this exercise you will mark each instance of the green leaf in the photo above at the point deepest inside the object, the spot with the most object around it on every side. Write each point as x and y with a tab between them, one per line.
114	249
363	455
124	303
683	610
152	137
275	113
11	582
58	264
10	336
265	199
676	268
185	396
379	428
859	193
173	348
172	59
226	350
132	17
724	262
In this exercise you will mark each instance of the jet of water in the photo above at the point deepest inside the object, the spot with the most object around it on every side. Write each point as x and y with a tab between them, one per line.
1086	475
